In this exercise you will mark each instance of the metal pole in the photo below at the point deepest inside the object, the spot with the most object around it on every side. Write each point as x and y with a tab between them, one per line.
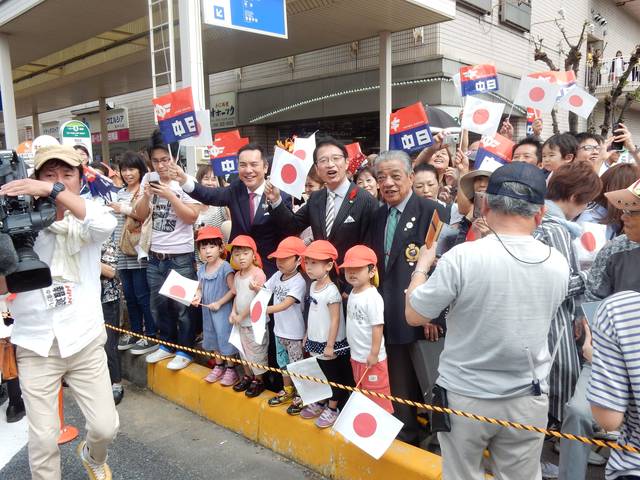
191	61
104	132
8	98
385	88
36	124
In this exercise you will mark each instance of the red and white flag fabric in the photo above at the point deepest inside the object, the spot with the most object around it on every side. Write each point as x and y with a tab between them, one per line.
537	93
258	313
495	148
578	101
533	114
593	238
289	172
309	391
179	288
480	116
303	147
563	78
356	158
367	425
204	137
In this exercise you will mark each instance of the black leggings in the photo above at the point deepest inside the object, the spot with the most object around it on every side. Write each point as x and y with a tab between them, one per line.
338	370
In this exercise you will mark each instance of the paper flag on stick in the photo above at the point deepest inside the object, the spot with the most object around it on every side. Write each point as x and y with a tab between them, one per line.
203	138
481	117
179	288
578	101
258	313
367	425
537	93
303	147
309	391
234	339
289	172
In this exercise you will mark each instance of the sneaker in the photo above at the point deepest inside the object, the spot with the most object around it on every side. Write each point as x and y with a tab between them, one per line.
327	418
118	393
179	362
96	471
255	389
312	410
549	470
215	374
296	406
284	396
143	346
243	384
229	378
158	355
126	342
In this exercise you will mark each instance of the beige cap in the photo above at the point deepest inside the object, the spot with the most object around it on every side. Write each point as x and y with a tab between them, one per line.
58	152
466	182
627	199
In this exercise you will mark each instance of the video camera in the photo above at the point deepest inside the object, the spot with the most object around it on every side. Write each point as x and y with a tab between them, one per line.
21	218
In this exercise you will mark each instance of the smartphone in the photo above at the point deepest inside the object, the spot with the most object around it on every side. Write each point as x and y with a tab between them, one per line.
617	146
153	178
478	197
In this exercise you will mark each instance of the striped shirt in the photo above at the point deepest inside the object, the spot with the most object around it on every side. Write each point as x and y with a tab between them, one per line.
615	378
125	262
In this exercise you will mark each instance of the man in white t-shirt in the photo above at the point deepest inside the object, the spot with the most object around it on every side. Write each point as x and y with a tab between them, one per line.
503	291
172	246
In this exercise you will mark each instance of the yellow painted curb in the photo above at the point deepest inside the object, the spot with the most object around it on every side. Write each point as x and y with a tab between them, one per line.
300	440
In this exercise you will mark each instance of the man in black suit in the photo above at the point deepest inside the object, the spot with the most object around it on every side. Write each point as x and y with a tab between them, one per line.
246	201
340	213
398	231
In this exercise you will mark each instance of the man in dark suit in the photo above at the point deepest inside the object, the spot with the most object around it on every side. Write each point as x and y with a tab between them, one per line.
340	213
246	201
397	233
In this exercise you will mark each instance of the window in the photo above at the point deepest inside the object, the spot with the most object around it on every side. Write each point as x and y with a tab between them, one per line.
481	6
516	14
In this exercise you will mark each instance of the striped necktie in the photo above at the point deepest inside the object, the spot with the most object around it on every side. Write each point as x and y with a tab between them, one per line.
392	223
331	211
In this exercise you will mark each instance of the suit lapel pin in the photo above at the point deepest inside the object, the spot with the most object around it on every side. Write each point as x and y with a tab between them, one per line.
411	253
413	219
409	225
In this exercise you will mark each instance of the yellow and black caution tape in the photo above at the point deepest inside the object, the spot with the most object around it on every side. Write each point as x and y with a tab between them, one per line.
480	418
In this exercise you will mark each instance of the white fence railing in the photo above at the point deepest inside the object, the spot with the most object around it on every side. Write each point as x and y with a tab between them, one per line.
610	71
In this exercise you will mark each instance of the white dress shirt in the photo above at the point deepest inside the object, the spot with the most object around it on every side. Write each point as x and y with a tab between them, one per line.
341	193
74	326
258	198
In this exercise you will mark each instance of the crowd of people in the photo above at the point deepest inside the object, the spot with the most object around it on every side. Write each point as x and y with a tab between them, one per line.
487	320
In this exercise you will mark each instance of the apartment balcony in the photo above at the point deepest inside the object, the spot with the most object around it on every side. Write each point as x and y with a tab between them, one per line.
608	74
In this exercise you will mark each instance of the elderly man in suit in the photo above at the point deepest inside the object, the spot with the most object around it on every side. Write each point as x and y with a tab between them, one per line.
246	201
340	213
398	231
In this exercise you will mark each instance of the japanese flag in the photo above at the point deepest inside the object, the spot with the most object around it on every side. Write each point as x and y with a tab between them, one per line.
179	288
258	313
308	390
367	425
537	93
303	147
587	245
289	171
480	116
578	101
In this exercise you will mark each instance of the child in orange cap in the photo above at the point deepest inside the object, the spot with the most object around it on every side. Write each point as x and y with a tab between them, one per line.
365	324
215	293
289	288
326	337
247	283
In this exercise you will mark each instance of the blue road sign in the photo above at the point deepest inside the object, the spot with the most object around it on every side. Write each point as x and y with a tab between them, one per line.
264	17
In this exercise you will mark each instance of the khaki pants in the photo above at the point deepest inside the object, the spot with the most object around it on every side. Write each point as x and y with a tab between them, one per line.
87	375
514	454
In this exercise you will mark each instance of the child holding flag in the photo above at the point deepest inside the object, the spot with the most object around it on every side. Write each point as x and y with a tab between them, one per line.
247	283
365	322
325	330
215	293
289	288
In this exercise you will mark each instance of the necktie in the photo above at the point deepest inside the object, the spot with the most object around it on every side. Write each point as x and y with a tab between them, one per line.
252	207
331	211
392	223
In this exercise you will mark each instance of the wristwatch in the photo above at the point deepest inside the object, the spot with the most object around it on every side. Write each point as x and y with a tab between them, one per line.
57	188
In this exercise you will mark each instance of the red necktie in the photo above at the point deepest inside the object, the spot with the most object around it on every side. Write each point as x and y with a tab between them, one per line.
252	207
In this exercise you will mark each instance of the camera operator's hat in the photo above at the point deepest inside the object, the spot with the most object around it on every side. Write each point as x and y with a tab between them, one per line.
522	173
467	181
627	199
56	152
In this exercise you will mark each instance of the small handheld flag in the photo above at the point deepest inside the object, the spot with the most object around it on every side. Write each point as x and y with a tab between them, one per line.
496	148
409	129
533	114
578	101
481	117
176	116
478	79
289	172
224	152
537	93
258	313
179	288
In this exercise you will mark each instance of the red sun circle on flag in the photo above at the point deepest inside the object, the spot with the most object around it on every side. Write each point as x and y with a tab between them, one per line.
537	94
177	291
256	312
481	116
576	101
588	241
365	425
301	154
289	174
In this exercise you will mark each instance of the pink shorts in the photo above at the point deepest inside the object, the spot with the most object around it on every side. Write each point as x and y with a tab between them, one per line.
376	380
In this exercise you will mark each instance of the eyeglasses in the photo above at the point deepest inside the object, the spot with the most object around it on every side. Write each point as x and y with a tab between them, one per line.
161	161
591	148
332	158
631	213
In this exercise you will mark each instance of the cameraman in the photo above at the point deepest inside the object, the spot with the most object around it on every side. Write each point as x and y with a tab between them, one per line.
59	331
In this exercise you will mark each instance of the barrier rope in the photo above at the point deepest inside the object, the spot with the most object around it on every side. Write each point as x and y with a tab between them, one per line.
434	408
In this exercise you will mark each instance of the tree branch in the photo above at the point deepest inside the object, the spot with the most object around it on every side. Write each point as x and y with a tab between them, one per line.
611	100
